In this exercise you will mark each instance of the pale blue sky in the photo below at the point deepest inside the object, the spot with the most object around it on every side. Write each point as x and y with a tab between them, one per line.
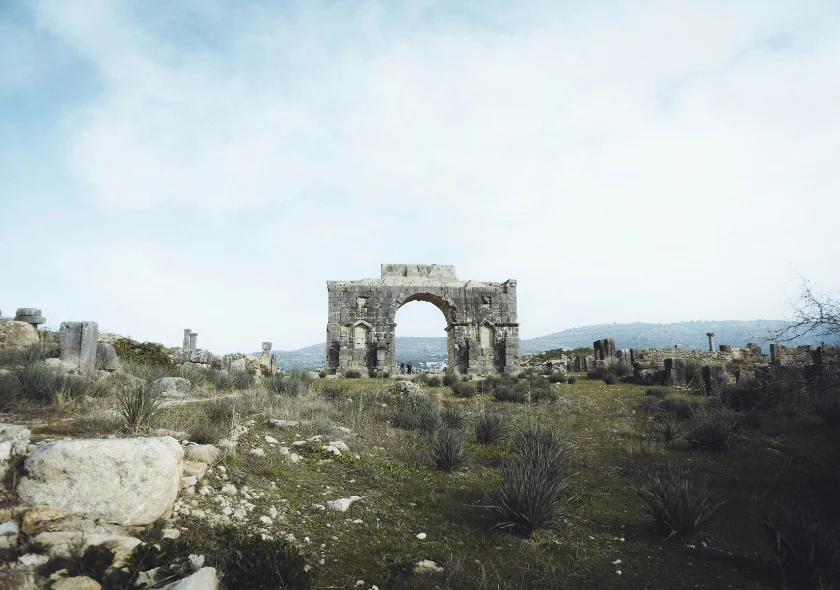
211	164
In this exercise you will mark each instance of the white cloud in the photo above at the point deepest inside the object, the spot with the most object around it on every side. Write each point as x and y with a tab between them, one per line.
624	161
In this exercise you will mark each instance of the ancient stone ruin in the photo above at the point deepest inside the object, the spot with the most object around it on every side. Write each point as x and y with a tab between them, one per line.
481	320
78	345
30	315
268	360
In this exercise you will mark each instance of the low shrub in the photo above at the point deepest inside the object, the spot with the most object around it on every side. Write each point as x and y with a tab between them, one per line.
143	353
352	374
452	418
434	381
532	484
490	428
620	368
610	379
139	406
151	372
650	405
463	389
196	375
658	392
594	374
417	412
508	392
448	450
713	431
322	374
558	378
572	379
488	384
679	506
806	544
241	379
751	420
292	385
332	392
543	393
9	391
827	404
449	377
666	427
677	406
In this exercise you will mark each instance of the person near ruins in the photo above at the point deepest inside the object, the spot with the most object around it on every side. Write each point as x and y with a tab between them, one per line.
409	368
402	368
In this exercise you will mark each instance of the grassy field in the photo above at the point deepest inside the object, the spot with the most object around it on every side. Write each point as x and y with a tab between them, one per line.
604	540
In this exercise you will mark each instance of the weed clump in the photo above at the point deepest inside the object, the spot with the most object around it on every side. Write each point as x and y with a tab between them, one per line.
291	385
143	353
533	483
678	505
572	379
463	389
666	427
677	406
657	392
558	378
139	405
417	412
241	379
713	431
352	374
448	450
452	418
610	379
806	544
490	428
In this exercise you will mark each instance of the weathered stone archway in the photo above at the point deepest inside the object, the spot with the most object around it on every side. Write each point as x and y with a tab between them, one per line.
481	322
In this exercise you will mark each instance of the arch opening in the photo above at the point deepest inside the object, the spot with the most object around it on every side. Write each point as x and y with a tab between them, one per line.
418	330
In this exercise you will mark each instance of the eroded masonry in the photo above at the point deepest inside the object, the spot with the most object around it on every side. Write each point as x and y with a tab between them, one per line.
481	322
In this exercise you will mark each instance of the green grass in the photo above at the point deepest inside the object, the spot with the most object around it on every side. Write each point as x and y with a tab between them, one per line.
613	445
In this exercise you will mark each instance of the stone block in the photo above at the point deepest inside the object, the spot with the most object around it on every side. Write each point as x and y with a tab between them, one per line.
727	348
266	346
78	344
714	376
673	376
674	363
106	357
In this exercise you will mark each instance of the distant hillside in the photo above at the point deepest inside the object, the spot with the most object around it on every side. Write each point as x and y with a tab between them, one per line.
421	351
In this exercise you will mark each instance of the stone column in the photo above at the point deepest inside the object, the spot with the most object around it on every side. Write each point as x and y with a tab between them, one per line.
265	360
711	336
187	333
193	341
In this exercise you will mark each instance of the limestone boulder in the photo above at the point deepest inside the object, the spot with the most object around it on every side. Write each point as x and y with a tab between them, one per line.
14	334
172	386
106	357
203	579
60	366
76	583
130	481
207	454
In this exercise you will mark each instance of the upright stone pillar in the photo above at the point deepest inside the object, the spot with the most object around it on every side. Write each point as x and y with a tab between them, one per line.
711	336
187	333
266	359
193	341
77	344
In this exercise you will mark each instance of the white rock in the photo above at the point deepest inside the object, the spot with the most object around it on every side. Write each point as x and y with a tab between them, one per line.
425	566
332	449
65	543
187	482
76	583
208	454
272	512
171	533
196	562
14	334
256	452
33	559
203	579
270	440
421	536
229	489
131	481
299	443
195	469
266	520
283	423
340	445
240	513
147	578
294	457
342	504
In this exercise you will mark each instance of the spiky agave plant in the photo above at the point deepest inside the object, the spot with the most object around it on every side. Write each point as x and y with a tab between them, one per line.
139	405
680	505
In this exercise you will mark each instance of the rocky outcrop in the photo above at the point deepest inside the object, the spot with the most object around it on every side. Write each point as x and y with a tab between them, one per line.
208	454
14	333
171	386
131	481
106	357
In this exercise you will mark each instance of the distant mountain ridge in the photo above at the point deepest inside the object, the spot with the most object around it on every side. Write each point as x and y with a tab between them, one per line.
692	335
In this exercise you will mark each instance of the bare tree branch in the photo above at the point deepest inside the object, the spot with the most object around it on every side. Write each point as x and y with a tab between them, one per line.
814	315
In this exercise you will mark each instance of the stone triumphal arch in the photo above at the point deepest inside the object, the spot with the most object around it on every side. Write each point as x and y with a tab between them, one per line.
481	323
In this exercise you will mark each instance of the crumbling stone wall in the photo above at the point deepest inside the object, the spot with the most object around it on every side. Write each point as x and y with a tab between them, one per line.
784	355
481	319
